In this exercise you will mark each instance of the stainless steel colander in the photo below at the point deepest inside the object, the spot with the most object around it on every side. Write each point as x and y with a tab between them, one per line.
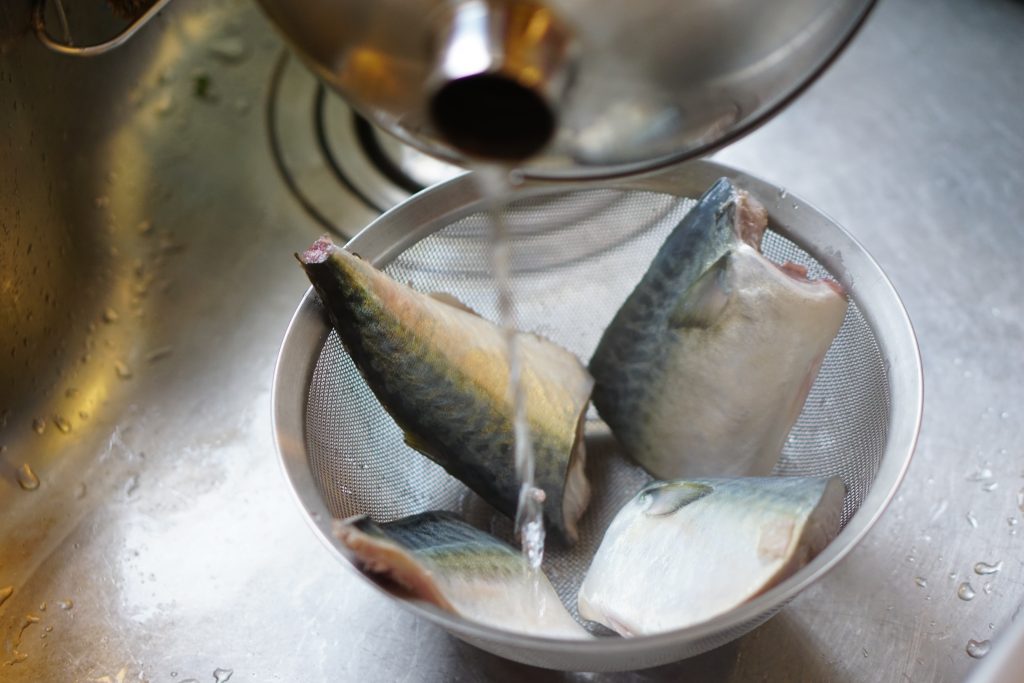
578	250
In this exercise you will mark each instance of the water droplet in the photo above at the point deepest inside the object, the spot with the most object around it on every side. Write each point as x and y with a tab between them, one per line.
80	490
222	675
783	193
991	486
65	604
27	479
164	104
921	581
38	425
62	424
987	588
158	354
971	520
984	568
228	49
965	592
131	485
49	629
978	649
1012	521
6	592
110	315
980	474
1004	415
201	83
42	607
911	559
102	201
174	674
71	392
123	371
952	576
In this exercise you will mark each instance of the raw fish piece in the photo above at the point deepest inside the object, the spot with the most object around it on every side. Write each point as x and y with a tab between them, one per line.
441	372
705	368
438	558
682	552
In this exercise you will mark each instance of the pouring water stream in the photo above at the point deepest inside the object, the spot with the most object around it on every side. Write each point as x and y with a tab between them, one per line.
495	183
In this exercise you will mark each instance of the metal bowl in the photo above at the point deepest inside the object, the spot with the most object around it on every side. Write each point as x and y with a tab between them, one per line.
579	249
597	88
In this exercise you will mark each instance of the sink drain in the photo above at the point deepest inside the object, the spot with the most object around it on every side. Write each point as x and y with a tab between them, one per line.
326	152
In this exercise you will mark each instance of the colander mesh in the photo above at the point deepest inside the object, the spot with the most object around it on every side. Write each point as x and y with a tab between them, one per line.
576	257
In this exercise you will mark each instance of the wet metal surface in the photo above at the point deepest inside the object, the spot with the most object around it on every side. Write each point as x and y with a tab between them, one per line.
161	514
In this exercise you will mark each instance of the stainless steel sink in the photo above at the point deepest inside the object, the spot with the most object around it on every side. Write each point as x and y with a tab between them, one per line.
150	201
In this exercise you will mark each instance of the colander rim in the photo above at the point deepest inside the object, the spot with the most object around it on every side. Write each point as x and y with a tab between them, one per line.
793	218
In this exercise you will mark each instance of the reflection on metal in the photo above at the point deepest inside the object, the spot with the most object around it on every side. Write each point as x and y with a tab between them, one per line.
502	71
67	46
326	153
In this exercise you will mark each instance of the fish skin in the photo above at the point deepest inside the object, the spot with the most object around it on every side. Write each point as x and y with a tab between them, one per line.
440	559
682	552
705	368
441	372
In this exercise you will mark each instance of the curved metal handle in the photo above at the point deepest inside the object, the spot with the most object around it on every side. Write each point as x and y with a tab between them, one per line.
67	48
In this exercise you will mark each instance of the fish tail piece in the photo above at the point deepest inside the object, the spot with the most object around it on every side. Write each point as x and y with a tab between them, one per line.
387	563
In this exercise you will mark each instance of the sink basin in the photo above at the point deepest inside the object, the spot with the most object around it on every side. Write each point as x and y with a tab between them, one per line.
150	201
146	229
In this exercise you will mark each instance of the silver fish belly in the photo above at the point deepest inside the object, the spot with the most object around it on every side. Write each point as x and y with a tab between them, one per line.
439	559
441	372
706	367
683	552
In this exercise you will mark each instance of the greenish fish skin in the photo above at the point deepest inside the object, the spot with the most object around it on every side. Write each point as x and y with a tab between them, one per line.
438	558
445	540
706	366
682	552
441	372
